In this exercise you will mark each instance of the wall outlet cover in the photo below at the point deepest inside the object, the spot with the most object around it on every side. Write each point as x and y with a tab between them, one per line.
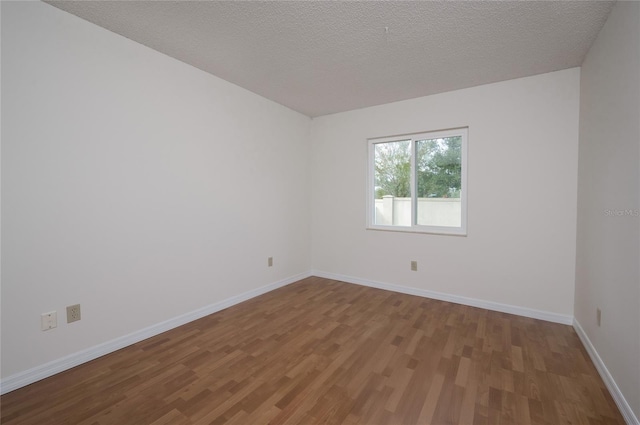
73	313
48	320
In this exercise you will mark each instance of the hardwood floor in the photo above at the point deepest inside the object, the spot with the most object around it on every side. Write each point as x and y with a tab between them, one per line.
321	351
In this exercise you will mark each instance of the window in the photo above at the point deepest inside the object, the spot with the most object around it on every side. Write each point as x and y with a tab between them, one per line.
417	183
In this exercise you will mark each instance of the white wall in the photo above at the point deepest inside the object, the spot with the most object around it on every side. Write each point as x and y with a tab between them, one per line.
523	146
127	178
429	211
608	253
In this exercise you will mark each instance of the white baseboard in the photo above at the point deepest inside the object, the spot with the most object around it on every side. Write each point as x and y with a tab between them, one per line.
46	370
473	302
35	374
624	407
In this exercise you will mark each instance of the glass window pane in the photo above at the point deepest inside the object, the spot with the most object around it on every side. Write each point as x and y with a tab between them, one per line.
392	185
438	181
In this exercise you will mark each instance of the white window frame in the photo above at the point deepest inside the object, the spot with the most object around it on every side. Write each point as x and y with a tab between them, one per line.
414	227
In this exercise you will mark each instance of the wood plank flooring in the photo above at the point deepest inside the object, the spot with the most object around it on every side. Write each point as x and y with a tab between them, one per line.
326	352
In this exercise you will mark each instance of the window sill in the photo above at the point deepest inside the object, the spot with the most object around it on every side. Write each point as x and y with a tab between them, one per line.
442	231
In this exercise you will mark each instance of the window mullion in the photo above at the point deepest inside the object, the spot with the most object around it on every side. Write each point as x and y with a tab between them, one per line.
414	202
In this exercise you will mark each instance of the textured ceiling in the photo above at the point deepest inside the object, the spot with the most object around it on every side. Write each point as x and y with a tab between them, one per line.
323	57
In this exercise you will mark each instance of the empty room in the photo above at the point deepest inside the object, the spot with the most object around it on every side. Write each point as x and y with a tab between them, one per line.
314	212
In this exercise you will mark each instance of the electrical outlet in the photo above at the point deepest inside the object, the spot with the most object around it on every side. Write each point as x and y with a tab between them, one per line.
414	266
73	313
270	261
49	320
598	316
